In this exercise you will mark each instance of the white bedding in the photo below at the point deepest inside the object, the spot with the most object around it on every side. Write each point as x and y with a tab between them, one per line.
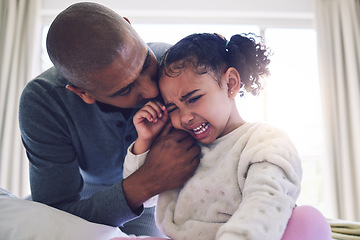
27	220
22	219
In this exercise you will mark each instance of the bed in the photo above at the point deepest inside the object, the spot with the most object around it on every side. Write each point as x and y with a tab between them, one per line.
23	219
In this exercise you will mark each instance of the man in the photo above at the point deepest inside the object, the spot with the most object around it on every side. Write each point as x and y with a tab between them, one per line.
76	121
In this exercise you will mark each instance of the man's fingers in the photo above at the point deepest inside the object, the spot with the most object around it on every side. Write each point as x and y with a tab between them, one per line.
196	160
192	146
166	130
188	142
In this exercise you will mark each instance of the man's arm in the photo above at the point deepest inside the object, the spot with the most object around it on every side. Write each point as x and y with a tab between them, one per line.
54	165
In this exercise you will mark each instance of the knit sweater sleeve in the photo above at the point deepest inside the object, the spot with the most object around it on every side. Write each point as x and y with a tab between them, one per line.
269	176
132	163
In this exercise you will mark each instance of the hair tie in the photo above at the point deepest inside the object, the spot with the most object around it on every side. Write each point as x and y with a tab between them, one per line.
223	38
226	45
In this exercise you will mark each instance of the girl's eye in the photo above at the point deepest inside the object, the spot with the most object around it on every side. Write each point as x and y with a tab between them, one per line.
171	109
194	99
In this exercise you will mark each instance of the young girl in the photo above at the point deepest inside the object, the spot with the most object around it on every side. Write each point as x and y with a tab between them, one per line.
249	174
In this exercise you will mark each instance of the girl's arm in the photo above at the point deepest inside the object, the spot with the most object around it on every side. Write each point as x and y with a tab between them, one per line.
269	176
132	163
268	200
148	121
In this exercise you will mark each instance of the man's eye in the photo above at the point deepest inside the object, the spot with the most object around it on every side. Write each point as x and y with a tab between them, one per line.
194	99
126	90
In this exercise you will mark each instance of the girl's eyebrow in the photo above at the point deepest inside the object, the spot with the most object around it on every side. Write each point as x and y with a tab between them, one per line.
183	98
186	96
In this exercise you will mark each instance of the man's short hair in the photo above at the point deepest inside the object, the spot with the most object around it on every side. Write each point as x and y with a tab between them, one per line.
84	38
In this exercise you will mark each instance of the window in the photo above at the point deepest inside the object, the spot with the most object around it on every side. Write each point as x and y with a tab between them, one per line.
293	103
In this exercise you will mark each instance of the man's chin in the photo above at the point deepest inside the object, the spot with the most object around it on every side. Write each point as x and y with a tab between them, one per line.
143	102
140	104
111	106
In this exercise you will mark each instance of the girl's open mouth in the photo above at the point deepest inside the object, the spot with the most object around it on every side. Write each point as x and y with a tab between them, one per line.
200	129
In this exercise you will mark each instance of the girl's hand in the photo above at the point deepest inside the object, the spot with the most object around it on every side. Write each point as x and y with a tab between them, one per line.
149	121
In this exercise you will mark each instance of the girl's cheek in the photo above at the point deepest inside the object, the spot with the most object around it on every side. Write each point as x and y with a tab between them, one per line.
175	122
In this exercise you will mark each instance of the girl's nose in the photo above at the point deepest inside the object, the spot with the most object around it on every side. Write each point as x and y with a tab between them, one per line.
186	116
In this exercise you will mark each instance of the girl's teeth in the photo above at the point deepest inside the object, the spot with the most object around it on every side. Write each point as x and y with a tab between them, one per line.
200	129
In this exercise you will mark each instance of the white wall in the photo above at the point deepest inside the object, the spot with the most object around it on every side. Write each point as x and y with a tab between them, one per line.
266	13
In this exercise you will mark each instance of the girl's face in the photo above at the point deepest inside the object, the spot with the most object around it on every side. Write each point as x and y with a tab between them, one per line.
197	104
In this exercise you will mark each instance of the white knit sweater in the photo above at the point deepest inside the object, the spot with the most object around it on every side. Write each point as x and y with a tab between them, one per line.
244	188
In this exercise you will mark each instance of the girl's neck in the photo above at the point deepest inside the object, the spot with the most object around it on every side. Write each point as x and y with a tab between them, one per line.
235	121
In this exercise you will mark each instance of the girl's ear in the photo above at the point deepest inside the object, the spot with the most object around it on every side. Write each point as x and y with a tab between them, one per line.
85	96
233	81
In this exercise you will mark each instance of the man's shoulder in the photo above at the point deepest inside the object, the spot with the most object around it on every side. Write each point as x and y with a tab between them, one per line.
47	88
159	48
47	85
51	78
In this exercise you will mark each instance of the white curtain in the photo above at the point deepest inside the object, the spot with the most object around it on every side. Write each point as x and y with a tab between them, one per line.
19	31
338	28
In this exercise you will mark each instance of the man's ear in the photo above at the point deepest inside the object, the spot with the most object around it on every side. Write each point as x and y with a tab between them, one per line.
85	96
233	81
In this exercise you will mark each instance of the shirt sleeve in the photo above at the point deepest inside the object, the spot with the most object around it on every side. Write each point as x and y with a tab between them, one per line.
54	168
131	164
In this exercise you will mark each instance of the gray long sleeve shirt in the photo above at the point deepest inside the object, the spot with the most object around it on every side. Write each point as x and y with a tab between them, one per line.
75	149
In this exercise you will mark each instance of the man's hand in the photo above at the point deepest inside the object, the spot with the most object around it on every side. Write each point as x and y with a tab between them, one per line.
173	158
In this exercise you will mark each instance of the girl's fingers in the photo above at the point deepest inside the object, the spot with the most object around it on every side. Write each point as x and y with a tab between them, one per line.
151	114
157	107
141	115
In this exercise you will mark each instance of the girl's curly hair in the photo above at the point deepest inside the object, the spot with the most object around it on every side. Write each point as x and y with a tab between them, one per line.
207	52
